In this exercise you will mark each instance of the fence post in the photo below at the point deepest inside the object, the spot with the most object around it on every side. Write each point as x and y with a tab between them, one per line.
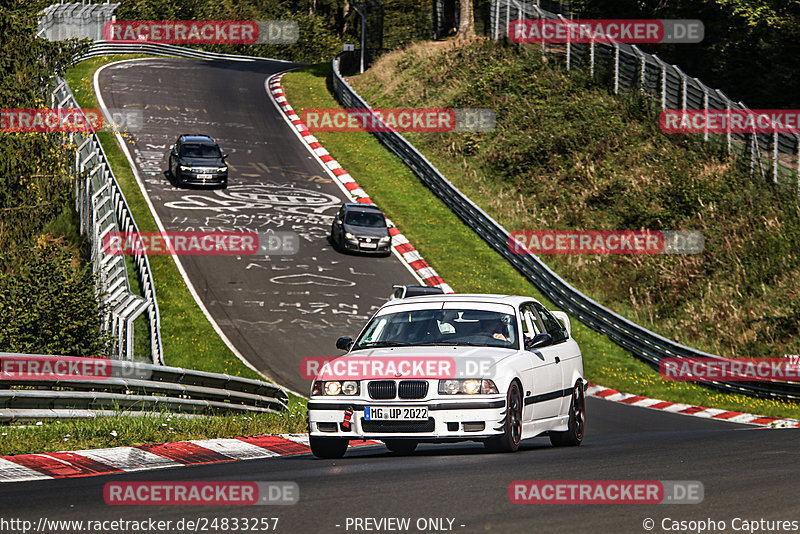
663	81
775	148
616	68
569	44
705	107
642	64
591	57
727	101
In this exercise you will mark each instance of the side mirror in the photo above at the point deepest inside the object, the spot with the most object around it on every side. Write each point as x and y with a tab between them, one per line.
344	343
539	340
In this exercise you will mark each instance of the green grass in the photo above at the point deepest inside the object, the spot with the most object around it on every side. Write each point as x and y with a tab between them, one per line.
188	338
115	431
468	264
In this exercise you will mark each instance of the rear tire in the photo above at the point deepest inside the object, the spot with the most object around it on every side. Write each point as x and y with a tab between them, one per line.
512	427
328	447
401	446
577	421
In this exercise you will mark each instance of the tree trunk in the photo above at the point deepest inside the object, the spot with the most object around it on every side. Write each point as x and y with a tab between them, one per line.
466	22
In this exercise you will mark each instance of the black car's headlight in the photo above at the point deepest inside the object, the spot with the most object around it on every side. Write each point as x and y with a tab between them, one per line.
349	236
386	238
467	386
185	168
334	387
222	169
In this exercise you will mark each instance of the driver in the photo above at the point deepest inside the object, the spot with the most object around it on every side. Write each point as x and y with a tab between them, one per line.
498	330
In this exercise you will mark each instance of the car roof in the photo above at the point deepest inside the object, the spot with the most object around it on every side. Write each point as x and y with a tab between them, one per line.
359	206
192	138
513	300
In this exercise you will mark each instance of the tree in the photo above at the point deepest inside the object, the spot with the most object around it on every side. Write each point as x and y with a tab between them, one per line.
466	23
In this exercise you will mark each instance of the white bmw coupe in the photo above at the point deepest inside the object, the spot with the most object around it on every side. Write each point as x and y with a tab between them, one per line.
495	369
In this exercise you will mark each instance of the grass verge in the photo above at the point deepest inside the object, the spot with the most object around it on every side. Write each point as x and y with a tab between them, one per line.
189	341
468	264
116	431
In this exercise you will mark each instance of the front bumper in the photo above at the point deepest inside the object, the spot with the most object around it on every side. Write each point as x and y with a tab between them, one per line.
448	419
365	248
210	179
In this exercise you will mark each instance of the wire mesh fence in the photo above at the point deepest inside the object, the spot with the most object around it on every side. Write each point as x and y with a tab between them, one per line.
774	157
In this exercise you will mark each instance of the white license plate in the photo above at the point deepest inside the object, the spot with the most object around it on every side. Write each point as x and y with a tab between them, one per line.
204	176
395	413
369	245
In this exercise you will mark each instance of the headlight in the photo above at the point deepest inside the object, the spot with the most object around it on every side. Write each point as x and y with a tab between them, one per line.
222	169
185	168
350	387
469	386
386	238
348	235
334	387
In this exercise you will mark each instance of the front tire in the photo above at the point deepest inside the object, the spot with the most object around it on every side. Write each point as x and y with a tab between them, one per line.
577	421
512	426
401	446
328	447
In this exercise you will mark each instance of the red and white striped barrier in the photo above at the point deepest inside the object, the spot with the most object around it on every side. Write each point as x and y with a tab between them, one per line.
404	248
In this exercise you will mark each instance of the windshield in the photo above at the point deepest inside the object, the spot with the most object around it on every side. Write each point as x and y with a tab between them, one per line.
440	327
365	218
197	150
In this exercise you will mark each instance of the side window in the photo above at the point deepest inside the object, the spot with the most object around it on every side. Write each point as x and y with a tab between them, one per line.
551	324
530	325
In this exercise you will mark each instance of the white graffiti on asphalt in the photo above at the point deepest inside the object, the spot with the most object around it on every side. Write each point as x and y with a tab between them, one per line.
262	196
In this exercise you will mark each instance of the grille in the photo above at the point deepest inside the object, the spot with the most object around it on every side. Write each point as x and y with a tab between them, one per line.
397	426
204	170
382	389
413	389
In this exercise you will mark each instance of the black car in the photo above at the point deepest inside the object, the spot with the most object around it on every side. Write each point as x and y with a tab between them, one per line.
198	160
361	228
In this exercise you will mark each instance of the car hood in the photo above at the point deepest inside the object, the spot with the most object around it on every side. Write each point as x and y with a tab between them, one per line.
201	162
366	231
486	357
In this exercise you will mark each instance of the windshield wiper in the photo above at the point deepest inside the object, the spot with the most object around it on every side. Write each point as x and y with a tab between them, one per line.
443	343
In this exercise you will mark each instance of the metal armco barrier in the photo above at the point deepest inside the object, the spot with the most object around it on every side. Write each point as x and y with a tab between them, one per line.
646	345
102	208
774	156
135	389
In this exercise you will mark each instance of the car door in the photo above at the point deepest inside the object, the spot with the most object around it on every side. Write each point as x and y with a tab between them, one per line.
543	383
336	230
561	353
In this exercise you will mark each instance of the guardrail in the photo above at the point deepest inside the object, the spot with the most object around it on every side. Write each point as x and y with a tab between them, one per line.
628	68
131	389
102	208
155	49
646	345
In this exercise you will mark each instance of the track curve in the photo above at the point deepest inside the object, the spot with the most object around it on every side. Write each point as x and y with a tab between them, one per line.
747	473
